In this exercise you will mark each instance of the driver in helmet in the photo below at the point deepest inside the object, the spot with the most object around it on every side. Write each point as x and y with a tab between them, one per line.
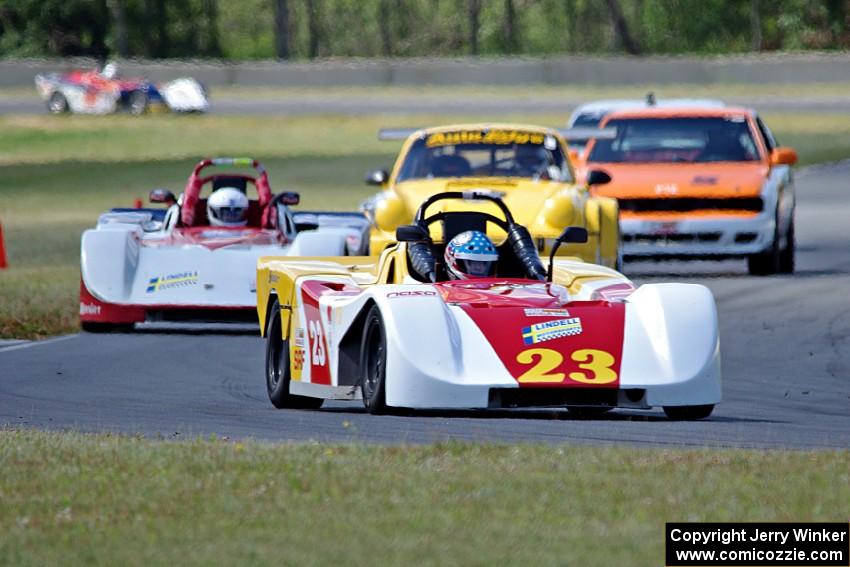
531	160
471	254
110	71
227	206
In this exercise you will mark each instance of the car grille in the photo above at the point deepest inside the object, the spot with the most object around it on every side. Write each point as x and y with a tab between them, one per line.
663	238
751	204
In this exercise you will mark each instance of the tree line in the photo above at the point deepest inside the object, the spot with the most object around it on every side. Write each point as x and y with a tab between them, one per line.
306	29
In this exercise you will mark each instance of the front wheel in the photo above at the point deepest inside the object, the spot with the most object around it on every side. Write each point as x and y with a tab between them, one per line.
688	413
374	363
278	373
786	257
58	104
768	262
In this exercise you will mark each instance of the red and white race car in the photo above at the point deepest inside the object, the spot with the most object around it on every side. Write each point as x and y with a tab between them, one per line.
175	264
395	332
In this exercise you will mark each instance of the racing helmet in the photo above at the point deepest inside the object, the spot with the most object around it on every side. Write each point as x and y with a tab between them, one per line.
110	71
227	206
471	254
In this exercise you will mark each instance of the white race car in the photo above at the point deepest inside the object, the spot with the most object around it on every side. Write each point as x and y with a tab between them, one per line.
173	265
103	92
394	332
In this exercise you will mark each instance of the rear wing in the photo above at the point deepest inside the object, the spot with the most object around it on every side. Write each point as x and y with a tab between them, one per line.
572	135
390	134
582	135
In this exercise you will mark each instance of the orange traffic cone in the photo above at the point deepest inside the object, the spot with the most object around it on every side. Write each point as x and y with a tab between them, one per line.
3	263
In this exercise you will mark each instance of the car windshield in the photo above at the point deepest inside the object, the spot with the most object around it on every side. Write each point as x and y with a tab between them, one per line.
672	140
588	120
485	153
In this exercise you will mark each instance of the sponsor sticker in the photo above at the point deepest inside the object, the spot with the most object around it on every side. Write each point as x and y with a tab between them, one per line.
499	137
89	309
171	281
550	330
417	293
546	312
299	337
298	358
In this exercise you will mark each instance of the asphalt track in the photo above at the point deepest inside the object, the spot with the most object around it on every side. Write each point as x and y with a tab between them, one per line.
785	344
462	103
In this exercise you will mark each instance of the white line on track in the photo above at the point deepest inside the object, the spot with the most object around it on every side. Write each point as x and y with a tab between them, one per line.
38	343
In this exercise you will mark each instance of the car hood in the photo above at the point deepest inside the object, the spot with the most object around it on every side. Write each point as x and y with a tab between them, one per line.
700	180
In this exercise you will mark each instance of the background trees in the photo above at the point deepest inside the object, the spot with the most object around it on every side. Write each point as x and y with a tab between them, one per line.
303	29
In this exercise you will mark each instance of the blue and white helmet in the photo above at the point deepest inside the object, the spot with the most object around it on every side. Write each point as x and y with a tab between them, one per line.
471	254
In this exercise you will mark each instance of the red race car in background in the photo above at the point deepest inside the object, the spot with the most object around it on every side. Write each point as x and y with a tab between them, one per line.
104	92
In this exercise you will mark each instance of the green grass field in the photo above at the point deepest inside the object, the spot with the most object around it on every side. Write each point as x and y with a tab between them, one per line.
74	499
59	173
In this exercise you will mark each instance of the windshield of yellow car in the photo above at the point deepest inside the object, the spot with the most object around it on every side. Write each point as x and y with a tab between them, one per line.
486	153
677	140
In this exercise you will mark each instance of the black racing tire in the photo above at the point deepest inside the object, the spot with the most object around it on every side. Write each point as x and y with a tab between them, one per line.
373	365
766	263
103	328
688	413
786	257
58	104
278	372
137	103
587	412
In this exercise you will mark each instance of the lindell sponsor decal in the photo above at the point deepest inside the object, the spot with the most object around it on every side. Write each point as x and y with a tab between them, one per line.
170	281
541	332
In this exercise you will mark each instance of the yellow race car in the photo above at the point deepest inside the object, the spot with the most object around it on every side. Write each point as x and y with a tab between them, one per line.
528	167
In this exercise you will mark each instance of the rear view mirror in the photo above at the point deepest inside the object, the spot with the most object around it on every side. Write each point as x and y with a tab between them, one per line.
574	235
377	177
288	198
163	196
597	177
571	235
411	233
783	156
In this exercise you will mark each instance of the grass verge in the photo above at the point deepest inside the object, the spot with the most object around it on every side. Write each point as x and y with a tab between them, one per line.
79	499
59	173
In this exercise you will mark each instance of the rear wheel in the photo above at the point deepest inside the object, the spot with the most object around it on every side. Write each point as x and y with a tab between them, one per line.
57	104
374	366
278	373
138	102
688	413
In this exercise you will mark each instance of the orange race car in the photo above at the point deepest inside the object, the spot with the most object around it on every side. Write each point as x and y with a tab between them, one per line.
698	182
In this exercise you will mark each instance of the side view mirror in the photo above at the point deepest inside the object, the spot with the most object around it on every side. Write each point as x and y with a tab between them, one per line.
163	196
571	234
377	177
783	156
288	198
574	234
597	177
411	233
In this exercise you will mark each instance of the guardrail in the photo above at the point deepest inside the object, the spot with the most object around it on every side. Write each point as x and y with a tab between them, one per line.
565	70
